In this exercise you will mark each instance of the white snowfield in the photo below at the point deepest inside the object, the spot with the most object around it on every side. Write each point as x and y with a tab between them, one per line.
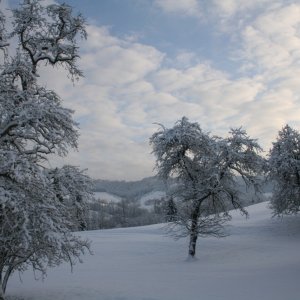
260	260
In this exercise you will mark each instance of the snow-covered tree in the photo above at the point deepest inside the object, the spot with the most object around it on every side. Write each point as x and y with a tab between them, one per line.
170	209
35	201
75	190
284	171
205	168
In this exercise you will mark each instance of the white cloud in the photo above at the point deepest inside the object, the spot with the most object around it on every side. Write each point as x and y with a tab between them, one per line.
128	87
181	7
273	41
120	61
184	59
228	8
225	13
117	116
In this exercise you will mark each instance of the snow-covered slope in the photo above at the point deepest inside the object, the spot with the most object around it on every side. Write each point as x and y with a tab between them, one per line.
260	260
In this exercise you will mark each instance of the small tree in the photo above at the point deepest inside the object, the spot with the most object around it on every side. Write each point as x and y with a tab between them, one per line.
205	168
284	171
170	209
74	189
35	201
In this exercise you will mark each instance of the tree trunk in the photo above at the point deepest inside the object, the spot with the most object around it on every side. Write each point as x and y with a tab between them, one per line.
1	290
193	233
192	246
194	229
3	281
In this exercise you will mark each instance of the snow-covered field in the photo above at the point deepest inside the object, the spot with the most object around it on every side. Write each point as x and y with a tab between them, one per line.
260	260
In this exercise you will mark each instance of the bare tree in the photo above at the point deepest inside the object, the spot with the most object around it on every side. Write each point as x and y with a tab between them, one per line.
205	168
35	219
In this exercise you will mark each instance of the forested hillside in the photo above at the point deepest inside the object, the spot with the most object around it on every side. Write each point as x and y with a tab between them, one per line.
129	189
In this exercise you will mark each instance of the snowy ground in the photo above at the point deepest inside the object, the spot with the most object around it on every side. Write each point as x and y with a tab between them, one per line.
260	260
107	197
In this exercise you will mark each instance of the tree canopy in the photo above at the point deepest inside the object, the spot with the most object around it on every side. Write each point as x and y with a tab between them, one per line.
205	168
284	171
37	203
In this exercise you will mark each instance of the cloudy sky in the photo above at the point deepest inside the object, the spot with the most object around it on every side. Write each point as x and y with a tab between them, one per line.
222	63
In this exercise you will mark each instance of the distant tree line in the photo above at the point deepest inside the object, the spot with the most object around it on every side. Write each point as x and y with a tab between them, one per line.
104	214
130	189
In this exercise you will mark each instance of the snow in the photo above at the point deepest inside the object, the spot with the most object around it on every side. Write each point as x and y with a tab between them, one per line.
259	261
106	197
154	195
